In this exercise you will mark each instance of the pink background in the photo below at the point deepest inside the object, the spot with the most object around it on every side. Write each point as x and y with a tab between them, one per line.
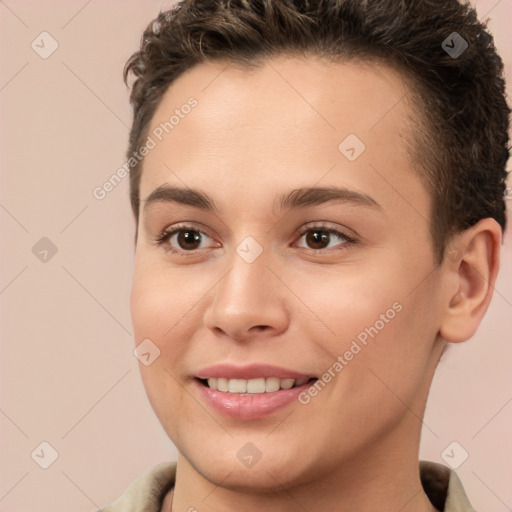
68	375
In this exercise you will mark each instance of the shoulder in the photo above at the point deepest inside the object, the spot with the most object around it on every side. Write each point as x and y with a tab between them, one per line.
146	492
444	488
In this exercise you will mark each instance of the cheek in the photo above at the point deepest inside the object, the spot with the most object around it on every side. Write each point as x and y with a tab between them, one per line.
156	311
345	304
383	332
160	302
147	300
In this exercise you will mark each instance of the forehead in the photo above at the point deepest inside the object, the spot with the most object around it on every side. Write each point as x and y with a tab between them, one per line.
288	122
312	92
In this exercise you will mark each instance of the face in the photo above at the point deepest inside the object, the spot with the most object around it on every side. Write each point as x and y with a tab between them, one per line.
303	253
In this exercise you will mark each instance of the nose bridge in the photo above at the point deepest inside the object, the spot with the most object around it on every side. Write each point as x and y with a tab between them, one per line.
248	295
247	284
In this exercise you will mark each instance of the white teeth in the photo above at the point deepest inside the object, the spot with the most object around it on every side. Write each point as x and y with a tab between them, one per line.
222	384
287	383
253	386
237	386
272	384
256	385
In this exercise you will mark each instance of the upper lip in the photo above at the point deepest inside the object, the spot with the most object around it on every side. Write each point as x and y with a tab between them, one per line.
251	371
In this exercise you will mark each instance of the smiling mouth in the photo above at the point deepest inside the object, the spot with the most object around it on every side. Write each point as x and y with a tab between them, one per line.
254	386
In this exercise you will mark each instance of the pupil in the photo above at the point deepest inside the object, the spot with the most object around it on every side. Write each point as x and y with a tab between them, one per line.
188	237
315	239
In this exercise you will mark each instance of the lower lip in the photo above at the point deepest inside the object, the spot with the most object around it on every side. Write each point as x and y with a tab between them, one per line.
250	406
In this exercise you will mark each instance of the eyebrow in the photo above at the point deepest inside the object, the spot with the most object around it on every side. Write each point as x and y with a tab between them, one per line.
297	198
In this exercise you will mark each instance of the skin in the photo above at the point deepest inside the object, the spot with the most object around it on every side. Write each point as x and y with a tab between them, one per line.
254	135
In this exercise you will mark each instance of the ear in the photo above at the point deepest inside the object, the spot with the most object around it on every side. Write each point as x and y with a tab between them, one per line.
471	266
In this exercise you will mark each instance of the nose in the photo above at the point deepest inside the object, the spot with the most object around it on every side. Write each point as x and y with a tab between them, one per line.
248	302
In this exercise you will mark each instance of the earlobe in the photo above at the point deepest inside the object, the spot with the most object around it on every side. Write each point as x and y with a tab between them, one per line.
473	267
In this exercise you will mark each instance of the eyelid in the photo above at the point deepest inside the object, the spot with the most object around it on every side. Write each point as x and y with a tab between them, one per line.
327	226
350	239
168	232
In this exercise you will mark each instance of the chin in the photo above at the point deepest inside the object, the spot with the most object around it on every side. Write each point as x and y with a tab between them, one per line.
236	464
260	478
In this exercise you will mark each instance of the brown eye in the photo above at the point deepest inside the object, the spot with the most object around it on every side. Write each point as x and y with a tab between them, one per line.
188	240
317	238
183	239
320	238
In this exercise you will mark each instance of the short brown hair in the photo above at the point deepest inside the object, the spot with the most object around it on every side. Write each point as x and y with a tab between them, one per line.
462	145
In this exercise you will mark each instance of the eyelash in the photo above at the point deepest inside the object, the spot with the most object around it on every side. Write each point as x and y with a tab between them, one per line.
164	237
